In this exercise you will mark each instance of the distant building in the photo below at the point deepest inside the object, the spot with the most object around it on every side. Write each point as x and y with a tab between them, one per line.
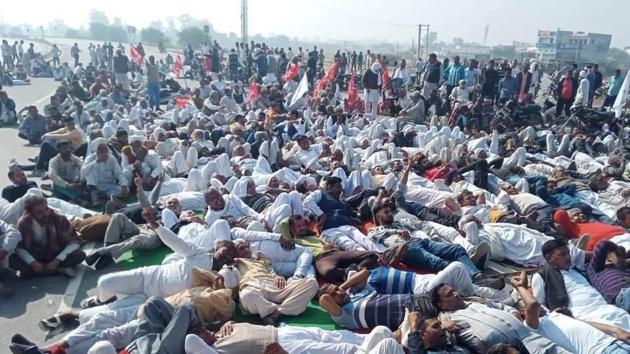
568	46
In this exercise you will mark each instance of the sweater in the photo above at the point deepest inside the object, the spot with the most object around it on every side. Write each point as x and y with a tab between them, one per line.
609	280
598	231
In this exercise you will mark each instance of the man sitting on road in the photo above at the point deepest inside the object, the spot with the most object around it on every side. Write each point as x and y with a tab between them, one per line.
49	242
33	126
64	171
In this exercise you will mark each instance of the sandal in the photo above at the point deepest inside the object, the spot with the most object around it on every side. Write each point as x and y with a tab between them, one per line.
93	301
50	323
88	302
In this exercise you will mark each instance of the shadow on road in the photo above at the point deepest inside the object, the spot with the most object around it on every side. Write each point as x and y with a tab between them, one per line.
30	290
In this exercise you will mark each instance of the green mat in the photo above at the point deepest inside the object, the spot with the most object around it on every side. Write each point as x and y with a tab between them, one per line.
140	258
313	316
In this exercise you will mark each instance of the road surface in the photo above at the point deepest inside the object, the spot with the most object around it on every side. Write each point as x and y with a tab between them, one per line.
38	298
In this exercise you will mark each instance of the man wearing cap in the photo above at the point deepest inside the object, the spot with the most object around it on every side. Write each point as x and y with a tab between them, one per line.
415	111
139	161
64	171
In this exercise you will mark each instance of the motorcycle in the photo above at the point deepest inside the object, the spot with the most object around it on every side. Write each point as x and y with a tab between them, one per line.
514	115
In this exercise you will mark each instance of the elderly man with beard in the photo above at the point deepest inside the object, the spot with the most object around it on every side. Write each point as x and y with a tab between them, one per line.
49	242
138	160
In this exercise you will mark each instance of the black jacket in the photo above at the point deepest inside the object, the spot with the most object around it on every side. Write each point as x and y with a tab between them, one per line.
370	80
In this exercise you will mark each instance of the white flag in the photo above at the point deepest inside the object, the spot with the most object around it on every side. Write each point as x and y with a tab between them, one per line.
622	96
300	91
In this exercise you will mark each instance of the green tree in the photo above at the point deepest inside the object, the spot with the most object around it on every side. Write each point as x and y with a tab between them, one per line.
192	35
152	36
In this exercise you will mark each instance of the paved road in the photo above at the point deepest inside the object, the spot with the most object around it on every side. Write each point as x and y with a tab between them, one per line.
35	299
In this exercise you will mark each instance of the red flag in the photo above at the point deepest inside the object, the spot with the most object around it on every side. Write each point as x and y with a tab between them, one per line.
178	66
135	55
324	81
254	91
292	73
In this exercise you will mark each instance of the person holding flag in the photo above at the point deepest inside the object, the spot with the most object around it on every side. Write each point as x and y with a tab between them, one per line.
178	66
136	55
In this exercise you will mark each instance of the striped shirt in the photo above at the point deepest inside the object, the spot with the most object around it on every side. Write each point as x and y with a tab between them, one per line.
387	280
609	279
258	202
367	309
455	73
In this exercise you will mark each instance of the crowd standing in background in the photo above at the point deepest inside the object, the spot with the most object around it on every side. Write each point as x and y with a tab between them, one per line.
273	183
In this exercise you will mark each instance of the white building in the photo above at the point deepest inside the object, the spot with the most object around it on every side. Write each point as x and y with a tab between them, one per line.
578	47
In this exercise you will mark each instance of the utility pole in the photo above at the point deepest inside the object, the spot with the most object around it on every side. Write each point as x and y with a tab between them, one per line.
420	40
485	34
427	38
244	21
420	27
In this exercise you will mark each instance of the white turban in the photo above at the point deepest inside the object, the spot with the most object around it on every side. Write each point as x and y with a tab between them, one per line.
231	276
478	151
240	188
96	142
108	131
376	66
157	133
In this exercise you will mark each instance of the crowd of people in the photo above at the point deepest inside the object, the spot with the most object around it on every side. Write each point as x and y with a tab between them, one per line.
273	184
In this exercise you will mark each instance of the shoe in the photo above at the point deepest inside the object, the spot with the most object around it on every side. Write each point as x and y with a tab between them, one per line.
46	186
70	272
33	159
92	258
103	262
21	345
93	301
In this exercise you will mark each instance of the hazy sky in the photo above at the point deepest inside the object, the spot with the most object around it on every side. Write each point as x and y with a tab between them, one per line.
392	20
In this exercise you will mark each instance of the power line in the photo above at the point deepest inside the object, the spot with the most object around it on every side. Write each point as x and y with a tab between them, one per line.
359	18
